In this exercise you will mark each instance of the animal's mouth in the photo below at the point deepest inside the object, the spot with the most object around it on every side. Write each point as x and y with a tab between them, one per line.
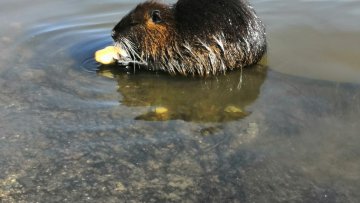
126	54
128	61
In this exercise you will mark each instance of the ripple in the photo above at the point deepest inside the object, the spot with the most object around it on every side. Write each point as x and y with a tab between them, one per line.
72	35
89	65
56	66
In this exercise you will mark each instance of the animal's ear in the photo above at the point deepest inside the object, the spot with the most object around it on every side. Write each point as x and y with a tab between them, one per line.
156	16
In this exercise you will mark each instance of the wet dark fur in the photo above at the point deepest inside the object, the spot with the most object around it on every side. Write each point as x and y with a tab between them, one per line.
193	37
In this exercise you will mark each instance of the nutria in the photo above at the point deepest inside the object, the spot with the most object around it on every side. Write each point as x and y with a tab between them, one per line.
192	37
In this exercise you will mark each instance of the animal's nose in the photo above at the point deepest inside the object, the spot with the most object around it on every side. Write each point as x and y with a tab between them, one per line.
113	34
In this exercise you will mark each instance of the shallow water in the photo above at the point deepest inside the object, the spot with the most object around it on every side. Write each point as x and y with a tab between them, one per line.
71	132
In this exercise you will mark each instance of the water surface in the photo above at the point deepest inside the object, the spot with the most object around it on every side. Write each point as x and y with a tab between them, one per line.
71	131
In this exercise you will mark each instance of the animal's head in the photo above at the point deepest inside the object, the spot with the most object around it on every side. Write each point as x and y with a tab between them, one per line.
146	31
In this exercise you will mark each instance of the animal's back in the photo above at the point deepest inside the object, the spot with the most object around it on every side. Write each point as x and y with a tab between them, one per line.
204	17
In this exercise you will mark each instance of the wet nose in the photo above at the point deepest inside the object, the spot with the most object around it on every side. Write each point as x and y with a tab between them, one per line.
113	34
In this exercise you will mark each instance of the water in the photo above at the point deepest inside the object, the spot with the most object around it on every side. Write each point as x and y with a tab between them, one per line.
71	132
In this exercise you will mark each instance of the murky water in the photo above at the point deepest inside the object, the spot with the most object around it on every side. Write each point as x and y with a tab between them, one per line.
73	132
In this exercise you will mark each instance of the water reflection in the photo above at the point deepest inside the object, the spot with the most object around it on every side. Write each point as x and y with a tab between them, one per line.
214	99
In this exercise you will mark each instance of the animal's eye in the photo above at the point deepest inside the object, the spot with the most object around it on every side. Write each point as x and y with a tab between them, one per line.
156	17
